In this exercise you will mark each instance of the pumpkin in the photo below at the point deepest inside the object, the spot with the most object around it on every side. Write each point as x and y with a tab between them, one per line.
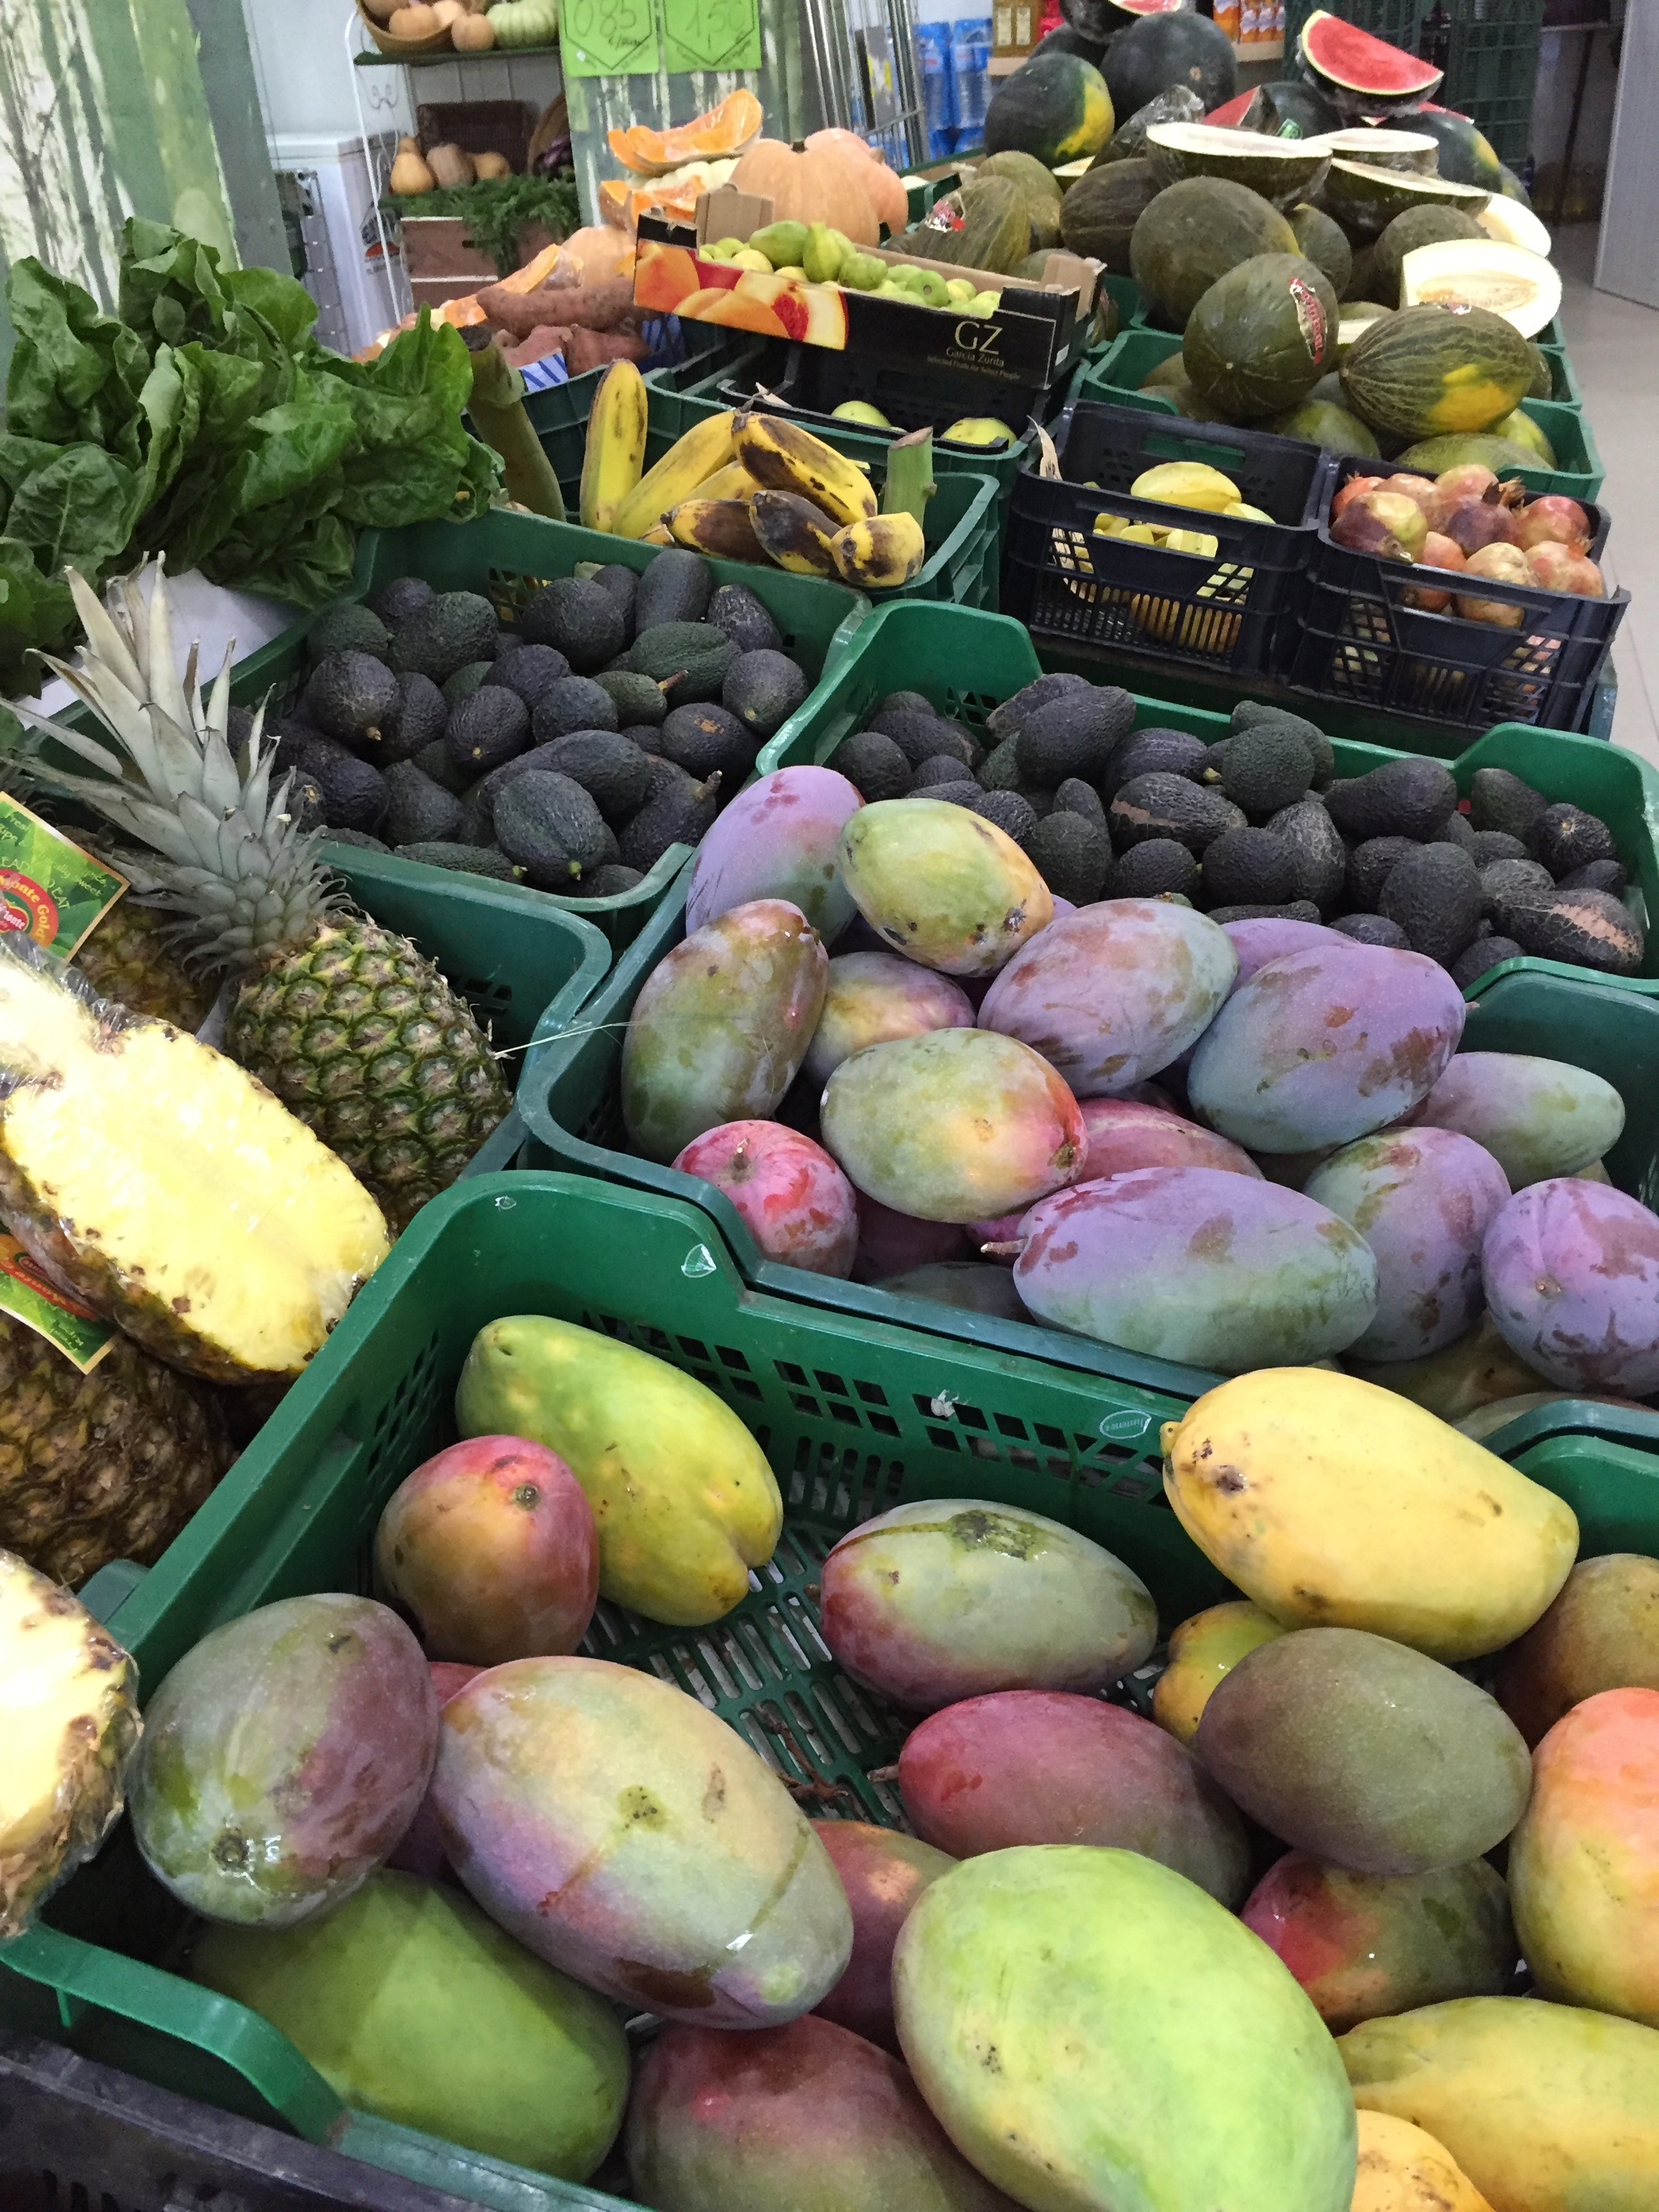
473	33
820	183
724	130
887	194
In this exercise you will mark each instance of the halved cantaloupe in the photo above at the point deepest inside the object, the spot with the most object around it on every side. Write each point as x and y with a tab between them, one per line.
724	130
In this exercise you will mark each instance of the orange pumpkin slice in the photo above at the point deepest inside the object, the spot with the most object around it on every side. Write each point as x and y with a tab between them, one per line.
725	130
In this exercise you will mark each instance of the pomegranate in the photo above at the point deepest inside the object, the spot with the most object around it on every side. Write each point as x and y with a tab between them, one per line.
1354	489
1555	520
1500	564
1472	523
1437	552
1384	522
1423	490
1471	480
1562	568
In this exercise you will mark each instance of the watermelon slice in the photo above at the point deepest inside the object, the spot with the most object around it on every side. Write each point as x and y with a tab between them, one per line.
1353	63
1098	19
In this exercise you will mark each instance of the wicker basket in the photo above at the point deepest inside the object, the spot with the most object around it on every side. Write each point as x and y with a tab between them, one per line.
404	49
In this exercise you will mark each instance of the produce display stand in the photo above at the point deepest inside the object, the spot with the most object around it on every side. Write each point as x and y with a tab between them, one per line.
698	349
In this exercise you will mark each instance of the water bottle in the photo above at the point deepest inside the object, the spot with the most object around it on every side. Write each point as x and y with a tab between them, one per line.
970	63
938	100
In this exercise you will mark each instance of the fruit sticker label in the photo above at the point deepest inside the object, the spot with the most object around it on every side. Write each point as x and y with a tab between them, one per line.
50	889
27	1296
1311	316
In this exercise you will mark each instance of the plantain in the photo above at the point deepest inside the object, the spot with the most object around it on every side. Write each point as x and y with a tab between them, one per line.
719	527
658	534
782	456
880	553
704	449
615	452
797	535
732	481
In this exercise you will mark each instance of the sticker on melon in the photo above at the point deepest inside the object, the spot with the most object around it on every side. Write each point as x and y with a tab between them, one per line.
1283	170
1506	280
1353	62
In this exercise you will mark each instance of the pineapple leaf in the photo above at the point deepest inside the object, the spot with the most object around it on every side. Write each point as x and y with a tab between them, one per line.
108	644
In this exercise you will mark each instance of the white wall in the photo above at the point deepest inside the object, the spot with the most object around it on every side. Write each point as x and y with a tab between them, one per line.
304	77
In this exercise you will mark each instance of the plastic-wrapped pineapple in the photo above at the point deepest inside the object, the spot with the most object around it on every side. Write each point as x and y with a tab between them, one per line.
69	1724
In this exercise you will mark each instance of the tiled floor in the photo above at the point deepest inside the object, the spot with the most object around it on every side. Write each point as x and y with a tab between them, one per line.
1612	344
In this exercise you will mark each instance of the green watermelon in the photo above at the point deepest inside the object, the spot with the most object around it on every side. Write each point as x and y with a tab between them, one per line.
1425	370
1166	49
1194	232
1262	335
1098	216
1056	108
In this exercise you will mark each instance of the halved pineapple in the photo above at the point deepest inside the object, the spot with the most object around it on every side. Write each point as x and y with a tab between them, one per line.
68	1724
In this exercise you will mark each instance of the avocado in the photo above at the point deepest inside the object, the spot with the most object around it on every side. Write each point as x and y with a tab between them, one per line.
1286	911
919	733
901	702
1040	802
347	627
1012	814
1407	798
464	682
1072	855
476	825
1076	797
638	700
580	618
999	770
1372	929
1255	713
763	689
872	764
573	702
1268	768
1566	838
435	760
697	654
1247	867
702	738
1498	800
1154	751
1489	845
1161	805
1153	868
490	726
610	767
623	585
452	628
1369	868
942	768
1485	952
676	811
1588	927
350	696
1607	876
418	811
1511	888
402	600
1318	855
676	588
467	859
612	881
1215	760
737	613
551	827
1073	734
354	793
1456	830
1002	722
419	718
360	840
1434	894
529	670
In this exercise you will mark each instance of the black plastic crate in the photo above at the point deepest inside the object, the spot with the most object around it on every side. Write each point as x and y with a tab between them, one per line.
1356	640
1398	21
1072	586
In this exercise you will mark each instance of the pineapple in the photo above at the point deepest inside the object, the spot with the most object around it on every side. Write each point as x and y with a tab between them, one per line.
345	1021
131	957
69	1721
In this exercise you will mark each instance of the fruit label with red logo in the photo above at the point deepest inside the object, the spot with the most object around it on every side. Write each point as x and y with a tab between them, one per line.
28	1296
1311	318
50	889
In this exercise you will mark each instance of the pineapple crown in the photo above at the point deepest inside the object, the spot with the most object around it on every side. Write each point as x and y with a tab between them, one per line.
221	848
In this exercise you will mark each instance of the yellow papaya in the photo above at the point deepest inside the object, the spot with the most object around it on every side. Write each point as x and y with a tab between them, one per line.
1333	1503
1402	2169
683	1500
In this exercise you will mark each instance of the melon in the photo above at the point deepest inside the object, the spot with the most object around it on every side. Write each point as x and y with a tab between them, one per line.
1166	49
1283	170
1467	156
1325	243
1431	457
994	230
1038	187
1543	376
1512	223
1128	140
1354	318
1520	429
1385	149
1055	109
1421	372
1322	424
1098	216
1262	335
1195	232
1507	279
1418	226
1360	71
1365	200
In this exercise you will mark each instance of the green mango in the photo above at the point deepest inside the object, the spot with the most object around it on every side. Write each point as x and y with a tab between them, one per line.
782	243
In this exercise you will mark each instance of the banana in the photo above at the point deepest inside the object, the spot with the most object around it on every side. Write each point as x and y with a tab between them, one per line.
718	527
732	481
705	447
784	458
880	554
658	534
797	535
615	452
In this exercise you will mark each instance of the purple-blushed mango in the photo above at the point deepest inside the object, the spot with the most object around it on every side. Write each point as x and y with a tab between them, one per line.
1201	1651
894	1243
420	1848
873	998
1267	937
1571	1272
1325	1045
1422	1200
804	2119
1096	2034
779	838
942	885
941	1600
1538	1118
1197	1265
1047	1766
1115	993
883	1873
797	1204
955	1126
1364	1944
283	1756
624	1833
1125	1133
1602	1633
1473	1370
489	1547
721	1026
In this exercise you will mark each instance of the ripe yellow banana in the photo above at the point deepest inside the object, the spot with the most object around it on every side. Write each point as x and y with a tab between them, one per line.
704	449
658	534
880	554
719	527
732	481
784	458
797	535
615	452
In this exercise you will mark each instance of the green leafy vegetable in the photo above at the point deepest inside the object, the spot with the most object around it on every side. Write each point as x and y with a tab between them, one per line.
496	209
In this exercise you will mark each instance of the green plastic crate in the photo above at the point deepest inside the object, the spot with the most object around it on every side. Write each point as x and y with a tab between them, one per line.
700	347
854	1419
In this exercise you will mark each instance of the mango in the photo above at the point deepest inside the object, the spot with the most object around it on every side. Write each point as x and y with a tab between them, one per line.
801	2118
1277	1478
1325	1045
1585	1862
1264	937
892	1243
873	998
942	885
1096	2034
1200	1265
489	1547
884	1873
1040	1767
1125	1133
779	839
1571	1271
624	1833
1363	1944
797	1204
1538	1118
282	1758
420	1848
1201	1651
952	1598
1601	1633
683	1499
1474	1369
1402	2169
413	2005
1546	2107
1112	994
1365	1751
721	1026
953	1126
